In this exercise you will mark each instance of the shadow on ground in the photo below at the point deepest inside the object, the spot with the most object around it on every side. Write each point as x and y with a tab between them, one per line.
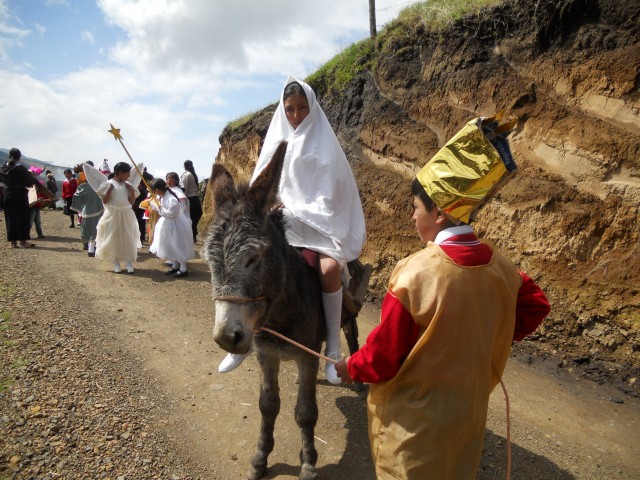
356	460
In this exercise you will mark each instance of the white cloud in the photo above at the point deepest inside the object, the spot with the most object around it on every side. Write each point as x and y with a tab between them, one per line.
10	35
179	71
243	35
87	36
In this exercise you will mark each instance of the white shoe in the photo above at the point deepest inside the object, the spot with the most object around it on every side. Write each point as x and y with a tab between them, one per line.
117	268
129	268
330	369
233	361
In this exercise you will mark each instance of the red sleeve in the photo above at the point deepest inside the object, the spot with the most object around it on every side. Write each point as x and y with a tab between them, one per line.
387	346
531	309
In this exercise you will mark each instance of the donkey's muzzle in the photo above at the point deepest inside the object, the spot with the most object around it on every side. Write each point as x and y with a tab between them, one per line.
231	331
233	342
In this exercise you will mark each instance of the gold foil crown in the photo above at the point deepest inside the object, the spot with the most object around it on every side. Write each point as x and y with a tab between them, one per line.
464	174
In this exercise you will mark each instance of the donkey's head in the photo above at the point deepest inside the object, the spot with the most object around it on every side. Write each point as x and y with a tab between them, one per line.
243	252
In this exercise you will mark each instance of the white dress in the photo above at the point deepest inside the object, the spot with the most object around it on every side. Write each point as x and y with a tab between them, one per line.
118	234
173	238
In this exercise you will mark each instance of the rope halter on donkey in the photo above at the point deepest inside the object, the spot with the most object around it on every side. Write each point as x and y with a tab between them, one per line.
245	300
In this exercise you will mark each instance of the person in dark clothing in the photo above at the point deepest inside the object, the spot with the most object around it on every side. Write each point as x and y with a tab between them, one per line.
16	200
142	223
191	188
146	175
52	186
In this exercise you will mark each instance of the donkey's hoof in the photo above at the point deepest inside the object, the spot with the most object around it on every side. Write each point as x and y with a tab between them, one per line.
308	472
257	471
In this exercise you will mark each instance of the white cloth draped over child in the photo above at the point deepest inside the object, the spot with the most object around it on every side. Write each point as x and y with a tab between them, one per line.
318	190
173	238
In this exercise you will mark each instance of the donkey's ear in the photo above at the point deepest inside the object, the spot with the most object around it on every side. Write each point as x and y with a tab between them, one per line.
222	186
264	189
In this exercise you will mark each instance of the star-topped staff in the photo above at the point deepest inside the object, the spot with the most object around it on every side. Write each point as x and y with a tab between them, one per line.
116	134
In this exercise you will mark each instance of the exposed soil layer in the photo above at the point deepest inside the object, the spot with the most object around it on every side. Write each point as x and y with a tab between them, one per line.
569	72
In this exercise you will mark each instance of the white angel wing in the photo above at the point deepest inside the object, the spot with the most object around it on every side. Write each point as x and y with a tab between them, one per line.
95	178
134	178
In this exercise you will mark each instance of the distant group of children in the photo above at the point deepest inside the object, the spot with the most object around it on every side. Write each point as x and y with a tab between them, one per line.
112	231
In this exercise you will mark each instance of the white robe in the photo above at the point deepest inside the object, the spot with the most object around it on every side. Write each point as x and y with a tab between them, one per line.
317	188
173	238
118	234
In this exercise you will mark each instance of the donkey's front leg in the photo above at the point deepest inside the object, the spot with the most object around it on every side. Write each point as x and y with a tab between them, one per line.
269	408
307	415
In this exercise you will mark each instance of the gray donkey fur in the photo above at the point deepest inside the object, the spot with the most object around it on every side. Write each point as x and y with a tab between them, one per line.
260	280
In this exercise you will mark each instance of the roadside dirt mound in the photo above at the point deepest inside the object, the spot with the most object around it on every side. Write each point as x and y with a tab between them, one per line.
569	72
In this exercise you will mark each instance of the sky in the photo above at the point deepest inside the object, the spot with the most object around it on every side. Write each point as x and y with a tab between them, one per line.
170	74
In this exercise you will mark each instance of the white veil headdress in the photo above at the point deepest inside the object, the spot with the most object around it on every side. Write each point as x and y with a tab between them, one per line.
317	185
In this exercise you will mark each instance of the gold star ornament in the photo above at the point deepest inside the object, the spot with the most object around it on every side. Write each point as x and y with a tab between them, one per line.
115	132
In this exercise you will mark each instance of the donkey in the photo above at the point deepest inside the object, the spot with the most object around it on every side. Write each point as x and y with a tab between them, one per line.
259	280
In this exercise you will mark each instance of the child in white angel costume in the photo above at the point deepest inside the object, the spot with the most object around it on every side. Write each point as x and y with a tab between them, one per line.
118	235
173	237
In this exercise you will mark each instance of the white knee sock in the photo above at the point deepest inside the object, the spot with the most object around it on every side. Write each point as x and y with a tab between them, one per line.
332	303
92	247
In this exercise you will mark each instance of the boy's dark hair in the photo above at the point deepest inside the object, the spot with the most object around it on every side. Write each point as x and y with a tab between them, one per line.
121	167
68	170
417	190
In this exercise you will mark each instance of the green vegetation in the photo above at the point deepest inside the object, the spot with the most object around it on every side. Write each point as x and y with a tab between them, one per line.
6	383
4	319
339	71
436	14
7	290
235	124
335	75
19	363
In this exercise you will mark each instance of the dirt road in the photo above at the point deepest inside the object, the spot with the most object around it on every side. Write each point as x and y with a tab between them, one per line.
114	376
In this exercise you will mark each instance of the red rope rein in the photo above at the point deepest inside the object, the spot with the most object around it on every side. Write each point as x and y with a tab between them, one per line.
506	399
299	345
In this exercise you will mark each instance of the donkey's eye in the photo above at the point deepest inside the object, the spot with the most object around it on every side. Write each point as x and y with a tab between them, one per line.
253	261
